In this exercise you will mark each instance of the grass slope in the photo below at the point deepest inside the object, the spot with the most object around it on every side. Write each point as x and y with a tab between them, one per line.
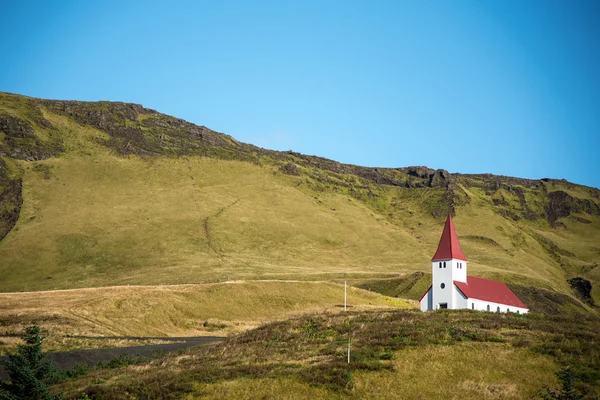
67	317
115	194
391	350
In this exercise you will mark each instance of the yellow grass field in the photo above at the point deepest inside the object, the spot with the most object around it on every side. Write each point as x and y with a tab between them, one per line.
178	310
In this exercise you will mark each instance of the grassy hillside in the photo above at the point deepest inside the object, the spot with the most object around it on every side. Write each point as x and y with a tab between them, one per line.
100	194
70	317
394	355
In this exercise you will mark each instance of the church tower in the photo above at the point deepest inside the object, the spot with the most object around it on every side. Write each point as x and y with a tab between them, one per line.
448	265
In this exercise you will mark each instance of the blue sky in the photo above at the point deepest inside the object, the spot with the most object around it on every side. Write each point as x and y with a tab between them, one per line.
502	87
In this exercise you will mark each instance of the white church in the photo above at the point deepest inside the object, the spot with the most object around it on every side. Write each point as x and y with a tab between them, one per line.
451	287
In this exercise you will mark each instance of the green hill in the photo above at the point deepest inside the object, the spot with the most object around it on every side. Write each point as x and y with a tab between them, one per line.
102	193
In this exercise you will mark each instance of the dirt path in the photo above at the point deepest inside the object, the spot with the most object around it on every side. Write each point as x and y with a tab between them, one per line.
68	359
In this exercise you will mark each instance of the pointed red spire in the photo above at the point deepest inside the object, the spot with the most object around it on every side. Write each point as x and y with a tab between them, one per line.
449	246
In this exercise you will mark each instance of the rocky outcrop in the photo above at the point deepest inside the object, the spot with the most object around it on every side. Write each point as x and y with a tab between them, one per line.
583	289
440	178
420	172
561	205
16	127
290	169
137	130
20	141
11	200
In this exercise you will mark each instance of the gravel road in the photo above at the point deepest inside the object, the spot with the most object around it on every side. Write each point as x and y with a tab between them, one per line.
68	359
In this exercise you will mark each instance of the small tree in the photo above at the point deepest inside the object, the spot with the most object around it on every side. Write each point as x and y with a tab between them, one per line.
567	390
29	370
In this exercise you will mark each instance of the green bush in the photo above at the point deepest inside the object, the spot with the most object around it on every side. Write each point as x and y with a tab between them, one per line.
29	370
567	390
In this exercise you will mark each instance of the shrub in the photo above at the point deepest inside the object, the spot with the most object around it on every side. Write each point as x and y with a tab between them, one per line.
29	370
567	389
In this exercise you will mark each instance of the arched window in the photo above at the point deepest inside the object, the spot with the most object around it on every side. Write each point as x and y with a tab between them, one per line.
444	264
498	309
518	312
440	264
472	306
488	307
508	310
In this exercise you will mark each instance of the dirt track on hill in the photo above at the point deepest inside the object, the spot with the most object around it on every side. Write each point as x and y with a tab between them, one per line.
68	359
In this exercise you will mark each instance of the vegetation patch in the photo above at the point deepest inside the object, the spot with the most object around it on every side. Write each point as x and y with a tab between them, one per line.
313	350
410	286
547	302
482	239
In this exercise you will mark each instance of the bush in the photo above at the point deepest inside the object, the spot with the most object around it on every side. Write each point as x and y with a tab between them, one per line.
29	370
567	390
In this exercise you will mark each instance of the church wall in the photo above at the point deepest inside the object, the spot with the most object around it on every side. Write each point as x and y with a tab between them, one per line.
447	275
481	305
442	276
427	301
460	300
459	270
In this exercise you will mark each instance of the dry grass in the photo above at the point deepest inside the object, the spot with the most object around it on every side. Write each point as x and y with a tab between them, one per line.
269	388
465	371
181	310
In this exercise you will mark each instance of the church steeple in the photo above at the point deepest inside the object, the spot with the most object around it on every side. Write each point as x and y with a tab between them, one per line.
449	247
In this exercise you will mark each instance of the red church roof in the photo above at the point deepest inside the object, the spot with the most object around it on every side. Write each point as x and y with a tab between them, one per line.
487	290
449	246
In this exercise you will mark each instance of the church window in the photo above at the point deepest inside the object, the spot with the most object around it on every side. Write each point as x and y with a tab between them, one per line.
443	285
498	309
444	264
518	312
508	310
488	307
440	264
472	306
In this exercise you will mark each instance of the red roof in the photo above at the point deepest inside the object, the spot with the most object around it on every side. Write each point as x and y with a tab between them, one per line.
487	290
449	246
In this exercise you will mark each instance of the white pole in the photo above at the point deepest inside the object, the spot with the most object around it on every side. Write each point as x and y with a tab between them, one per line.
345	298
348	349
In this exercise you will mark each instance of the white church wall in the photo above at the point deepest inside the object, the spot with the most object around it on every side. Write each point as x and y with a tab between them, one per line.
441	272
482	305
460	300
444	273
459	270
426	301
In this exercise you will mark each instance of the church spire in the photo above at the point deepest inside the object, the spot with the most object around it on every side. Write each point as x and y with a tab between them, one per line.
449	246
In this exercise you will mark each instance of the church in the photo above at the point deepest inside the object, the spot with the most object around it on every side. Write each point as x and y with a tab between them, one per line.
452	288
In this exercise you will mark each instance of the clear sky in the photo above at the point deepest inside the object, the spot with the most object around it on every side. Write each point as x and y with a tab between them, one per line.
505	87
